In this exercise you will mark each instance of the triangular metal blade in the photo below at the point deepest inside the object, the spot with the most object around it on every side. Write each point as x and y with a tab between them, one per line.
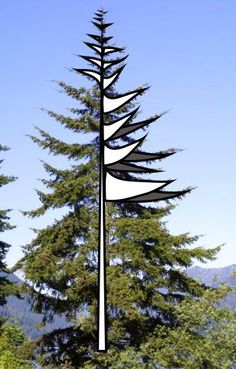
157	196
112	78
146	156
94	47
99	18
114	103
121	189
125	130
99	38
92	59
105	49
102	26
111	128
102	11
112	49
111	63
115	154
95	37
123	167
89	73
106	64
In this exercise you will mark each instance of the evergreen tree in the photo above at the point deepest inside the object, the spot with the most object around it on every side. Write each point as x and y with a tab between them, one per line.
15	350
148	293
118	161
6	287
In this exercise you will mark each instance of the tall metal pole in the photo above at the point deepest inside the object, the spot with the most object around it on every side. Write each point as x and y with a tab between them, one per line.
121	160
102	334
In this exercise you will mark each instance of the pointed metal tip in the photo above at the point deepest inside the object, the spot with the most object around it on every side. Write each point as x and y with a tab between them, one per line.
142	89
91	35
135	110
97	38
169	181
165	112
143	138
190	189
76	70
121	68
102	11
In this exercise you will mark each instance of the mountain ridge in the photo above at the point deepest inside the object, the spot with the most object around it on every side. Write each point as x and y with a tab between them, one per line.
19	309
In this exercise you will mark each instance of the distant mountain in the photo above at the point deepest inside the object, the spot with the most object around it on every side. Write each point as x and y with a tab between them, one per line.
214	277
19	309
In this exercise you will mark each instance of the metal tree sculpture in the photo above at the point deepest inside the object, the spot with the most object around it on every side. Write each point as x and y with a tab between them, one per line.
121	159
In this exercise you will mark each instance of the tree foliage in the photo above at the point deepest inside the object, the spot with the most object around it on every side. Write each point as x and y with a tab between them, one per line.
6	287
15	350
158	317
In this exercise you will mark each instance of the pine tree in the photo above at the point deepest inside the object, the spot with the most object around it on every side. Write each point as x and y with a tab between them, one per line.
15	351
148	291
115	161
6	287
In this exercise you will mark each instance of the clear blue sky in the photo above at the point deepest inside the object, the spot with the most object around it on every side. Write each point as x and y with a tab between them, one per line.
184	49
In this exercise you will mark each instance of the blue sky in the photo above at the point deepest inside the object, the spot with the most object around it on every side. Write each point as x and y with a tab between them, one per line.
184	50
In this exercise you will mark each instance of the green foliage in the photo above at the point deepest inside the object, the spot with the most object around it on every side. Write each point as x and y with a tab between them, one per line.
203	336
15	351
6	287
157	315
